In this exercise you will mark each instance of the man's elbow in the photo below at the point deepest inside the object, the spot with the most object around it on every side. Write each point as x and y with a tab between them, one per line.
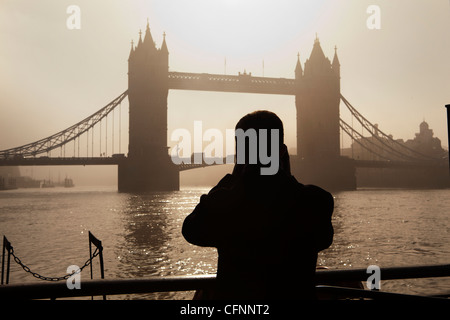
325	240
187	232
195	236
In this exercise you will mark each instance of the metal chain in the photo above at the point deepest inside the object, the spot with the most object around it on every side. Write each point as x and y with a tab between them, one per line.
67	276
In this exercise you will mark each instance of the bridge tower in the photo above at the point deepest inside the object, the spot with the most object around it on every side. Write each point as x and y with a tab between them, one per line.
148	166
317	102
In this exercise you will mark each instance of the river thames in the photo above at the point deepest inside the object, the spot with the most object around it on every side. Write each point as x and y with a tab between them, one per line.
141	234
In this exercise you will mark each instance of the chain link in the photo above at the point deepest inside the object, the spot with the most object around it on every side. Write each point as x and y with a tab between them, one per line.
67	276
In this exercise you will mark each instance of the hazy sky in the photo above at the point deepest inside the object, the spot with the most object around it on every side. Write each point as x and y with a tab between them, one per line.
52	77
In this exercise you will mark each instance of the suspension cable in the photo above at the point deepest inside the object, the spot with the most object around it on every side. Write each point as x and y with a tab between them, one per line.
61	138
120	125
351	132
367	124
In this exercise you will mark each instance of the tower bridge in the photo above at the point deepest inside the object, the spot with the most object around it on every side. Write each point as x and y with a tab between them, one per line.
147	166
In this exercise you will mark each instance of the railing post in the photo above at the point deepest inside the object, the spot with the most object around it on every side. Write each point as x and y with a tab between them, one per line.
98	244
6	246
448	130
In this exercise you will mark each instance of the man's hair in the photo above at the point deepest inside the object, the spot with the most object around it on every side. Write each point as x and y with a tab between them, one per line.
251	132
262	119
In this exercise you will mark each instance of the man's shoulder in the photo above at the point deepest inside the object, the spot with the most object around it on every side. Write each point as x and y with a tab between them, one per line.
312	192
313	189
305	187
225	182
223	190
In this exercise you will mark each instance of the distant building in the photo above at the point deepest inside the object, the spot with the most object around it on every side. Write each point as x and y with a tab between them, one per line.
385	149
8	177
425	143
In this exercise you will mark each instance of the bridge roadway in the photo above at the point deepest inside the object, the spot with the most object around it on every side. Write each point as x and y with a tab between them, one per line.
60	161
75	161
245	83
116	160
399	164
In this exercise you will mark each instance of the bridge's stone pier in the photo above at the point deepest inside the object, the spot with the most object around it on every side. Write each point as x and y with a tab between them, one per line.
334	175
147	174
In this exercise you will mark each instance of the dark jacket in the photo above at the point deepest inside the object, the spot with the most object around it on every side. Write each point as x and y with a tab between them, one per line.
267	230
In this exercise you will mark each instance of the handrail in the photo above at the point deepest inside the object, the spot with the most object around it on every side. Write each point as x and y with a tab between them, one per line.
10	251
371	294
188	283
387	273
106	286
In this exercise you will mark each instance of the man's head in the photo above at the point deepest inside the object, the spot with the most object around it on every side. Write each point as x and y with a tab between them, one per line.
260	140
262	119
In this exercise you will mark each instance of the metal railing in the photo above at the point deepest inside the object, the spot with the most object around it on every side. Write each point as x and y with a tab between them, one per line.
332	284
191	283
8	251
7	248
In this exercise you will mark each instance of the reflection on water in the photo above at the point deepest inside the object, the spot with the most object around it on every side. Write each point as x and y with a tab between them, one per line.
141	234
392	228
152	244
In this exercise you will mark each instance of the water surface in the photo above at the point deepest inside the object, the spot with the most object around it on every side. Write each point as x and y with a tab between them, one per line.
141	234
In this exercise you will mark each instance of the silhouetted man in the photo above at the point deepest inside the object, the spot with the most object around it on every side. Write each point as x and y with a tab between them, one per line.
267	228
